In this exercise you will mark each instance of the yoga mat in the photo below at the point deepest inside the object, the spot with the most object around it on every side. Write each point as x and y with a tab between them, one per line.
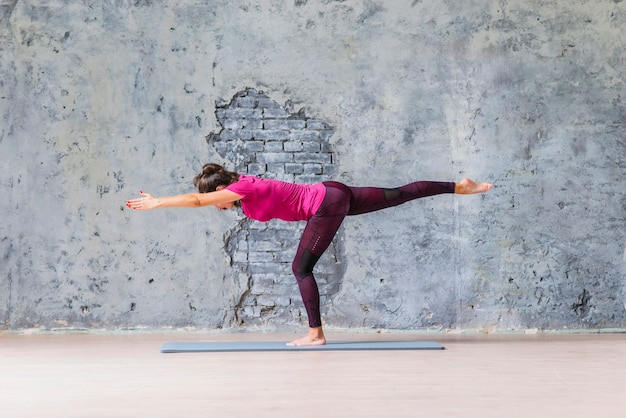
203	347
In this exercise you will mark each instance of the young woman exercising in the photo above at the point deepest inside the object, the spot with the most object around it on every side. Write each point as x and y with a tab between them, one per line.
323	206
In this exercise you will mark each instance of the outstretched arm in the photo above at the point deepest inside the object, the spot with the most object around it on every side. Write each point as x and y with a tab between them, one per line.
190	200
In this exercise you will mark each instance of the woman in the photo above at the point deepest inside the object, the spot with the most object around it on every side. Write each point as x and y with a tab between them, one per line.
323	206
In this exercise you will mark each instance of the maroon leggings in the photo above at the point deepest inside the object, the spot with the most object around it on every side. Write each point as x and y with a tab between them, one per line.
341	201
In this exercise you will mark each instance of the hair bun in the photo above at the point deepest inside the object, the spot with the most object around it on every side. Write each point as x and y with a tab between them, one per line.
212	176
212	168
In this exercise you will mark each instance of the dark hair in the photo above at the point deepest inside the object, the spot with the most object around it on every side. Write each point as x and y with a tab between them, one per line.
212	176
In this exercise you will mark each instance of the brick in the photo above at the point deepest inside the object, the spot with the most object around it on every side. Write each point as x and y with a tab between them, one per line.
261	257
285	124
265	280
252	311
227	134
252	123
283	301
265	102
268	234
252	93
310	157
290	228
311	147
239	113
261	245
277	235
221	147
257	226
286	256
246	102
330	169
285	282
316	124
274	157
256	169
294	168
265	301
232	124
277	169
304	136
269	268
271	135
242	243
274	146
255	146
240	257
271	113
312	169
293	146
326	147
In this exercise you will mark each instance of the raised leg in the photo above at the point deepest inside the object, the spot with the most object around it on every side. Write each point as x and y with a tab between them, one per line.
370	199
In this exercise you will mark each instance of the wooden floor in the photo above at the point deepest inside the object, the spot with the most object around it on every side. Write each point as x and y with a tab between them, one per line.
476	376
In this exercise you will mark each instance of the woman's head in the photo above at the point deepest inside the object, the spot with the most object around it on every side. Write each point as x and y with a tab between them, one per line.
212	177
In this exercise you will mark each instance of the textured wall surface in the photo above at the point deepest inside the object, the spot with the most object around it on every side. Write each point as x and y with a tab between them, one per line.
99	99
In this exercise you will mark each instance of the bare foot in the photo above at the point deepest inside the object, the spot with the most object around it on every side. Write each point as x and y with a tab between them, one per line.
467	186
314	337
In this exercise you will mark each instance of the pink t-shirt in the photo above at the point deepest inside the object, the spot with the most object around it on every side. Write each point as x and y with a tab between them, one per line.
265	199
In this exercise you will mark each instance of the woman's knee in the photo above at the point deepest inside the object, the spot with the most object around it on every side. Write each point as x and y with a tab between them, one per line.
303	265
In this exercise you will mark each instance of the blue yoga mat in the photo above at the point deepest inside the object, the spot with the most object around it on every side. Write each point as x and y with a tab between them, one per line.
203	347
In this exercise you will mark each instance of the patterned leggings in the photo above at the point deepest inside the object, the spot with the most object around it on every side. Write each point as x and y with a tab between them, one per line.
341	201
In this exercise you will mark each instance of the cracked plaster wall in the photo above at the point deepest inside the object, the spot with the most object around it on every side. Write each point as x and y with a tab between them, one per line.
260	137
99	99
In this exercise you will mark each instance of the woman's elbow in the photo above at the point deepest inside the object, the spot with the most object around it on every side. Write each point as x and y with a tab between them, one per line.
196	202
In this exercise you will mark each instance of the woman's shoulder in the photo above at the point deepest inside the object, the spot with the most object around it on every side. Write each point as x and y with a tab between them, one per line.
244	186
248	179
261	182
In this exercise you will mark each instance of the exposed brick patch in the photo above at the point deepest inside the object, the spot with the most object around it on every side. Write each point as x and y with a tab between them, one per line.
262	138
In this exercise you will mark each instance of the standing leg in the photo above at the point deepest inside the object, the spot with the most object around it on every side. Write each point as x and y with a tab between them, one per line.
317	236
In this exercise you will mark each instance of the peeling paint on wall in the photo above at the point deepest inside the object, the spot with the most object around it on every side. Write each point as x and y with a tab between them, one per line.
260	137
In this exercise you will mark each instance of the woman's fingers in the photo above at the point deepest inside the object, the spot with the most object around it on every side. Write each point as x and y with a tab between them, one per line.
140	203
134	203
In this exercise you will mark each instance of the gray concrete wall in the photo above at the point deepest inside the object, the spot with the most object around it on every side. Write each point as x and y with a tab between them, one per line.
99	99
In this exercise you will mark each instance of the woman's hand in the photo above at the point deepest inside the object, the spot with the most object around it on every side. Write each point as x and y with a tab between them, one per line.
146	202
